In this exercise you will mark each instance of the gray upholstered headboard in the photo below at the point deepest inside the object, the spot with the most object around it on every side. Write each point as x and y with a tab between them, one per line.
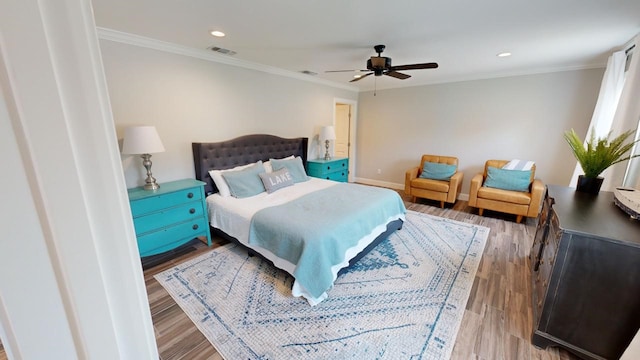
243	150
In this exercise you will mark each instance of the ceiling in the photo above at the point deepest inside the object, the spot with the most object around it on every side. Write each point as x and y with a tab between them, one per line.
462	36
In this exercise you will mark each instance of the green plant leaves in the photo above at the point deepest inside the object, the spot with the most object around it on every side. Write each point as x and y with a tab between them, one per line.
599	154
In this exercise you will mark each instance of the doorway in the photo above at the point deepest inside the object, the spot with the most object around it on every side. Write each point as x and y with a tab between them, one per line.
345	124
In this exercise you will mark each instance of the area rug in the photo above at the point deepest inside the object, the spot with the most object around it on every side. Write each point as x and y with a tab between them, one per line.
404	300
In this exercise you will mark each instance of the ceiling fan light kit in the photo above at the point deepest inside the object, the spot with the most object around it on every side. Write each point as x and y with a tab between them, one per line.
381	65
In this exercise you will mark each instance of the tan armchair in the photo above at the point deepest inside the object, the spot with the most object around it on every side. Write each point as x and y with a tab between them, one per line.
507	201
439	190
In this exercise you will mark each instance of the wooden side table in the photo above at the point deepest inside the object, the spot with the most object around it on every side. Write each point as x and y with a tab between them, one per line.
585	283
170	216
336	169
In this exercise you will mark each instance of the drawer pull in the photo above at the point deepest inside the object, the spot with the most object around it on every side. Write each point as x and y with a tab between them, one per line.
195	227
192	211
190	195
328	178
328	167
343	164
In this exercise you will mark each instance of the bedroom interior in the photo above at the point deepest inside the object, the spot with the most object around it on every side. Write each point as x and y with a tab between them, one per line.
126	79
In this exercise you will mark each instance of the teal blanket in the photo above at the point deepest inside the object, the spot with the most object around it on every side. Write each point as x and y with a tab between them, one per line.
319	227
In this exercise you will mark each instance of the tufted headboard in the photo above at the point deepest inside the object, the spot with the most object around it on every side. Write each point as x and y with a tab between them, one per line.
241	151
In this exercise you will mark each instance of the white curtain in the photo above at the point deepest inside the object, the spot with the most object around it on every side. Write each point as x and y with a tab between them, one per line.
627	115
608	98
626	118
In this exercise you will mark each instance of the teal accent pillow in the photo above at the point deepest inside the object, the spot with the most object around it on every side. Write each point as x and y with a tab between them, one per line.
295	167
516	180
276	180
437	171
246	182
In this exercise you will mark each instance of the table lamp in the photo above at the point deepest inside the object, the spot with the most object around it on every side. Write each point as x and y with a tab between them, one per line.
143	140
327	133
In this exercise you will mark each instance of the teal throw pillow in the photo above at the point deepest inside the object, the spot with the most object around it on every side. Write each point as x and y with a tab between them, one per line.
516	180
246	182
295	167
437	171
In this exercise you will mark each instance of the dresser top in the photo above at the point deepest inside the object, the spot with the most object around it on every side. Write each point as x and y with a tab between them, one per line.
322	160
165	188
597	215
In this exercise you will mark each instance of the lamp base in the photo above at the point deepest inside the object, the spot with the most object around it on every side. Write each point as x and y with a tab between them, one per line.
327	156
150	182
152	186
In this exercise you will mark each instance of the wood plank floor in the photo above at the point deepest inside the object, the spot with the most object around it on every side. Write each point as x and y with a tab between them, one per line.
497	322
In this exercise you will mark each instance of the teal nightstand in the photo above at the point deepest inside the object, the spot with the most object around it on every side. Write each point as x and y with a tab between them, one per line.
170	216
336	169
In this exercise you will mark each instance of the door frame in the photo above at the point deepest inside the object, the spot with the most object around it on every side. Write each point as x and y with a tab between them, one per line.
353	107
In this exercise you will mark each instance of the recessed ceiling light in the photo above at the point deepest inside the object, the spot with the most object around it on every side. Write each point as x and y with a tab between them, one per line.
217	33
504	54
357	76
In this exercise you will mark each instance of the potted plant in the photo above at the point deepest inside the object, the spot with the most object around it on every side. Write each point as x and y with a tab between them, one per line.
597	155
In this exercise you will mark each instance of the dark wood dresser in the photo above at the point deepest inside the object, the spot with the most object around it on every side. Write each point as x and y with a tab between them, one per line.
585	275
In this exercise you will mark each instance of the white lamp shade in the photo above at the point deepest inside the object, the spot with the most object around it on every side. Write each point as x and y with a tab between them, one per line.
327	133
141	140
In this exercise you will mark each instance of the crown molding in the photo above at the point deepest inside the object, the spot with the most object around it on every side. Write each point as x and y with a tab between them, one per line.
141	41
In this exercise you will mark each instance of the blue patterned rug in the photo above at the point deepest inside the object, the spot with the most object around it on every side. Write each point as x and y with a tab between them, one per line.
404	300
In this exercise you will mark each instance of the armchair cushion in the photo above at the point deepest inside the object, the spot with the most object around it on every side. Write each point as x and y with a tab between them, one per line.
437	171
515	180
430	184
506	196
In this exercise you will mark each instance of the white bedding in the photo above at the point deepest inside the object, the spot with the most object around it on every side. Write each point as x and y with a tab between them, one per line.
233	216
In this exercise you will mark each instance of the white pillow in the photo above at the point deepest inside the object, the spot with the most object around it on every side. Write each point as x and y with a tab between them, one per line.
267	165
221	183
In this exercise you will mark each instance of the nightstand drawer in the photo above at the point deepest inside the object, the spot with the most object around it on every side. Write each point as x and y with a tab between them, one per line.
337	176
327	167
168	216
149	204
167	238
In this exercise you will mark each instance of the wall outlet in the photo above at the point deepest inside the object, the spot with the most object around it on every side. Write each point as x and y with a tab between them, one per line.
379	171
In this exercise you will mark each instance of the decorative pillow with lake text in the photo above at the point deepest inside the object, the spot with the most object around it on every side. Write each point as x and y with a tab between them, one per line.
276	180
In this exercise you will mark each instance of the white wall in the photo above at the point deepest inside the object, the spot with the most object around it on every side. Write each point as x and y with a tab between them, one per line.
520	117
190	99
194	100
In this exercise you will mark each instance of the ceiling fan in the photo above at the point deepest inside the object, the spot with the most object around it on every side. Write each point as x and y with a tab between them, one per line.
381	65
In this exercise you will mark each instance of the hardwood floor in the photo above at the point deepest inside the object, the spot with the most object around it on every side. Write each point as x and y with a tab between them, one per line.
497	322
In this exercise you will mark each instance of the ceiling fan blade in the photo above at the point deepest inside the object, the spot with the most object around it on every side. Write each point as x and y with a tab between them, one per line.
415	66
332	71
361	77
398	75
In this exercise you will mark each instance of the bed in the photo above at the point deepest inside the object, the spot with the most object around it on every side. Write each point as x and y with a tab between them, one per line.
298	227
